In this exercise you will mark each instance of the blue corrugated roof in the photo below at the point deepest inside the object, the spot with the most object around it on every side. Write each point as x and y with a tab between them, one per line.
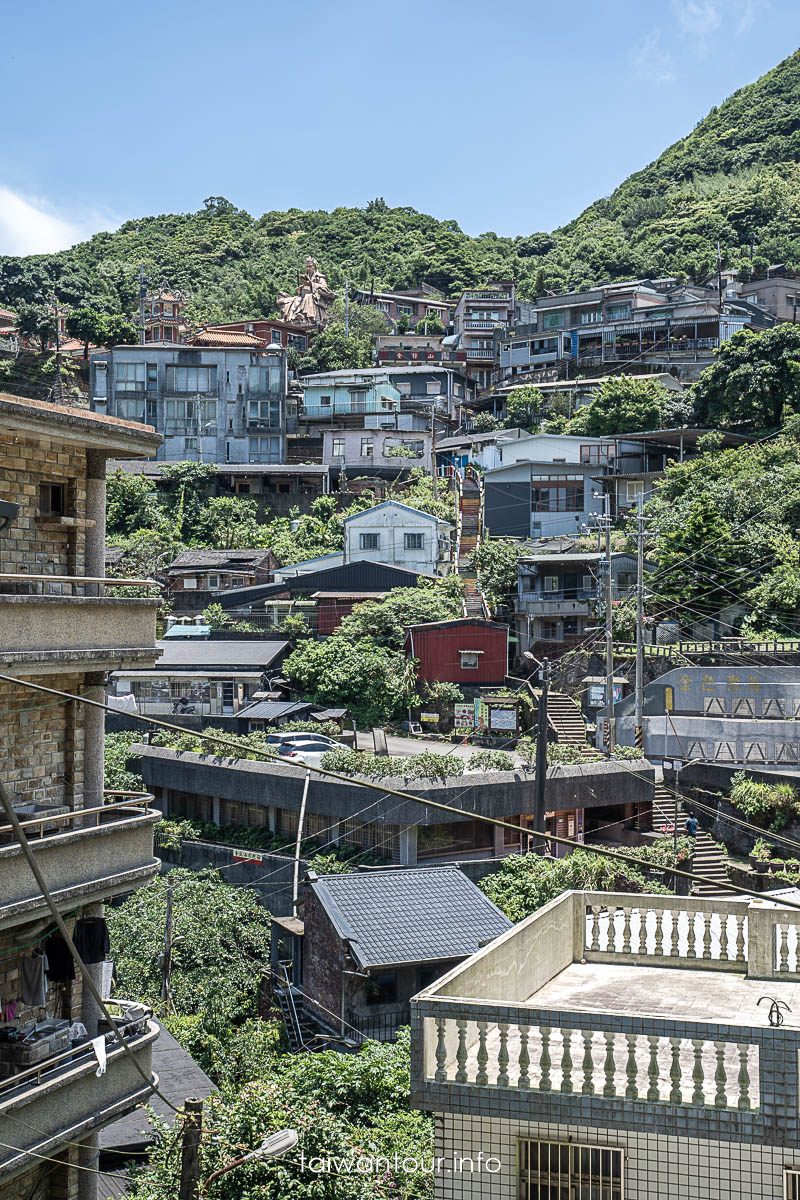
410	915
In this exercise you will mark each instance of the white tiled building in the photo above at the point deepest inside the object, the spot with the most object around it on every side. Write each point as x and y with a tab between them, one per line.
613	1047
400	535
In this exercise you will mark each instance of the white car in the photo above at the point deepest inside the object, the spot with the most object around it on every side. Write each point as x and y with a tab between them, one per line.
300	739
309	753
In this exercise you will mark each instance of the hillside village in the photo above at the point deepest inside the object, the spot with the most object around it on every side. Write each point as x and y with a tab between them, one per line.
401	663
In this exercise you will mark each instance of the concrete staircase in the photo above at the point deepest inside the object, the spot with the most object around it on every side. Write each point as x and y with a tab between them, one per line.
470	520
709	861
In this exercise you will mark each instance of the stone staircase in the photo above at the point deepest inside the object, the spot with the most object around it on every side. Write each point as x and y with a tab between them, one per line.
470	520
709	861
566	720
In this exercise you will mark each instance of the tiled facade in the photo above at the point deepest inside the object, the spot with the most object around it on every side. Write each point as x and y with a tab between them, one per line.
656	1166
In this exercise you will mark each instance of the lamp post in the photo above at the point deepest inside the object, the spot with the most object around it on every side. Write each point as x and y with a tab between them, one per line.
272	1147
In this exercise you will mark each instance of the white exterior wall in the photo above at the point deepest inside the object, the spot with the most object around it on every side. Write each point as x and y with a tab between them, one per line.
655	1167
391	525
545	447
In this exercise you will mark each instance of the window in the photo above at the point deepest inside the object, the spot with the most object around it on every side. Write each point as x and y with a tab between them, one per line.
366	447
588	583
568	498
264	449
191	379
550	631
189	583
791	1184
199	414
297	341
130	376
602	453
275	336
470	660
414	541
433	387
265	379
551	583
383	305
264	412
618	312
358	399
369	541
136	408
51	500
549	1169
382	989
571	627
506	348
408	309
591	316
213	582
337	449
553	320
387	403
152	377
325	401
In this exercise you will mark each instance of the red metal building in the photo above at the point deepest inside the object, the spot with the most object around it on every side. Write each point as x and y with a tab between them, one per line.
462	650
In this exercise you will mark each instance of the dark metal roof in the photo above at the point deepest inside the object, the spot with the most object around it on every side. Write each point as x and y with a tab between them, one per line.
208	653
365	577
409	916
231	559
271	710
179	1076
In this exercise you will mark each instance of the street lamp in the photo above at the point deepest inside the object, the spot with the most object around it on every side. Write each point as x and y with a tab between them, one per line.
272	1147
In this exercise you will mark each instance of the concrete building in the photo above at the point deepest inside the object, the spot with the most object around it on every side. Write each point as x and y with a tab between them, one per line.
59	629
271	331
219	401
406	388
541	499
243	792
478	313
366	450
368	942
412	305
745	715
558	596
418	348
400	536
614	1046
202	676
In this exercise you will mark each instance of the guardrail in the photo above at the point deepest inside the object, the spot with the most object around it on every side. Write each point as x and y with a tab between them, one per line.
139	803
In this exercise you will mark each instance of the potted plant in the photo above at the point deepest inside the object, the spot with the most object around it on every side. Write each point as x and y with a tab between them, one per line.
760	857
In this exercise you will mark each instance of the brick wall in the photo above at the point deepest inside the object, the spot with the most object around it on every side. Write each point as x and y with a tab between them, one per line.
43	744
33	544
322	956
63	1000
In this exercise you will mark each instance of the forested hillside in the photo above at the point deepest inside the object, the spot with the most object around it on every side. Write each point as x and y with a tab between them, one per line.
735	178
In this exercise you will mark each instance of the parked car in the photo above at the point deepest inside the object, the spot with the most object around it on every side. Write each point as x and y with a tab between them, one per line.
300	739
308	753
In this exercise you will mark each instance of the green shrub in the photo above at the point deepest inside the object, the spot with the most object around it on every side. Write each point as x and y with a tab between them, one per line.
428	765
775	803
490	760
627	752
563	754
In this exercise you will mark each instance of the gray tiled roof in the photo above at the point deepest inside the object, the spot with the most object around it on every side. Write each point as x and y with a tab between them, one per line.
409	916
218	558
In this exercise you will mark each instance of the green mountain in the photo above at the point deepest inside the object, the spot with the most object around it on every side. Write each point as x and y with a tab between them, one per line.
735	179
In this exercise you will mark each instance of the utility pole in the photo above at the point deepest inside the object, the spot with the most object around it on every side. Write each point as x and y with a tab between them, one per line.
639	700
190	1149
719	271
166	957
298	844
539	817
433	452
604	524
346	307
141	303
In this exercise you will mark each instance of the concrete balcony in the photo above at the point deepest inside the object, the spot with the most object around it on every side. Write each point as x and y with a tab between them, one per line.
63	1099
556	606
52	621
618	1010
485	355
85	854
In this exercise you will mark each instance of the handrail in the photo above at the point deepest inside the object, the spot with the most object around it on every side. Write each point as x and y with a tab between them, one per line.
49	818
19	578
13	1081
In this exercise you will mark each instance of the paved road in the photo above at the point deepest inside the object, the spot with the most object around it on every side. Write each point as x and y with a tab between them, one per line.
404	746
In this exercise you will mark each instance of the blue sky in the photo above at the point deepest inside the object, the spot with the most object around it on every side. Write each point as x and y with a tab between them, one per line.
509	118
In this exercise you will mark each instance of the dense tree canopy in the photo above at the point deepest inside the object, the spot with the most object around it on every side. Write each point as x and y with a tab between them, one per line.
754	383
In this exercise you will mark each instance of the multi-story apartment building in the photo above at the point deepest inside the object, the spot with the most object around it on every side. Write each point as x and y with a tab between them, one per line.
219	401
659	325
479	313
558	596
404	388
617	1047
61	630
414	304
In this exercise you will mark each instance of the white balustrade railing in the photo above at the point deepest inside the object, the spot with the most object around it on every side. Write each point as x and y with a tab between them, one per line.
786	946
672	930
702	1072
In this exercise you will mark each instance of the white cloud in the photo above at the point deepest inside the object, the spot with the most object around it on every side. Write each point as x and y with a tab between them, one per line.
698	18
650	59
29	226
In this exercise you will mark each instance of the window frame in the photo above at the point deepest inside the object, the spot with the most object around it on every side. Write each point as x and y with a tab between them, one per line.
470	654
369	541
414	541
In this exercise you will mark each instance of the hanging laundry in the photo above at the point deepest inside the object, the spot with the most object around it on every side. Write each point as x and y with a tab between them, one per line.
62	964
108	979
33	980
99	1047
10	1012
91	939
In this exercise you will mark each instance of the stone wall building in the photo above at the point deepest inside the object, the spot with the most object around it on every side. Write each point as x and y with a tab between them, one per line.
60	630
